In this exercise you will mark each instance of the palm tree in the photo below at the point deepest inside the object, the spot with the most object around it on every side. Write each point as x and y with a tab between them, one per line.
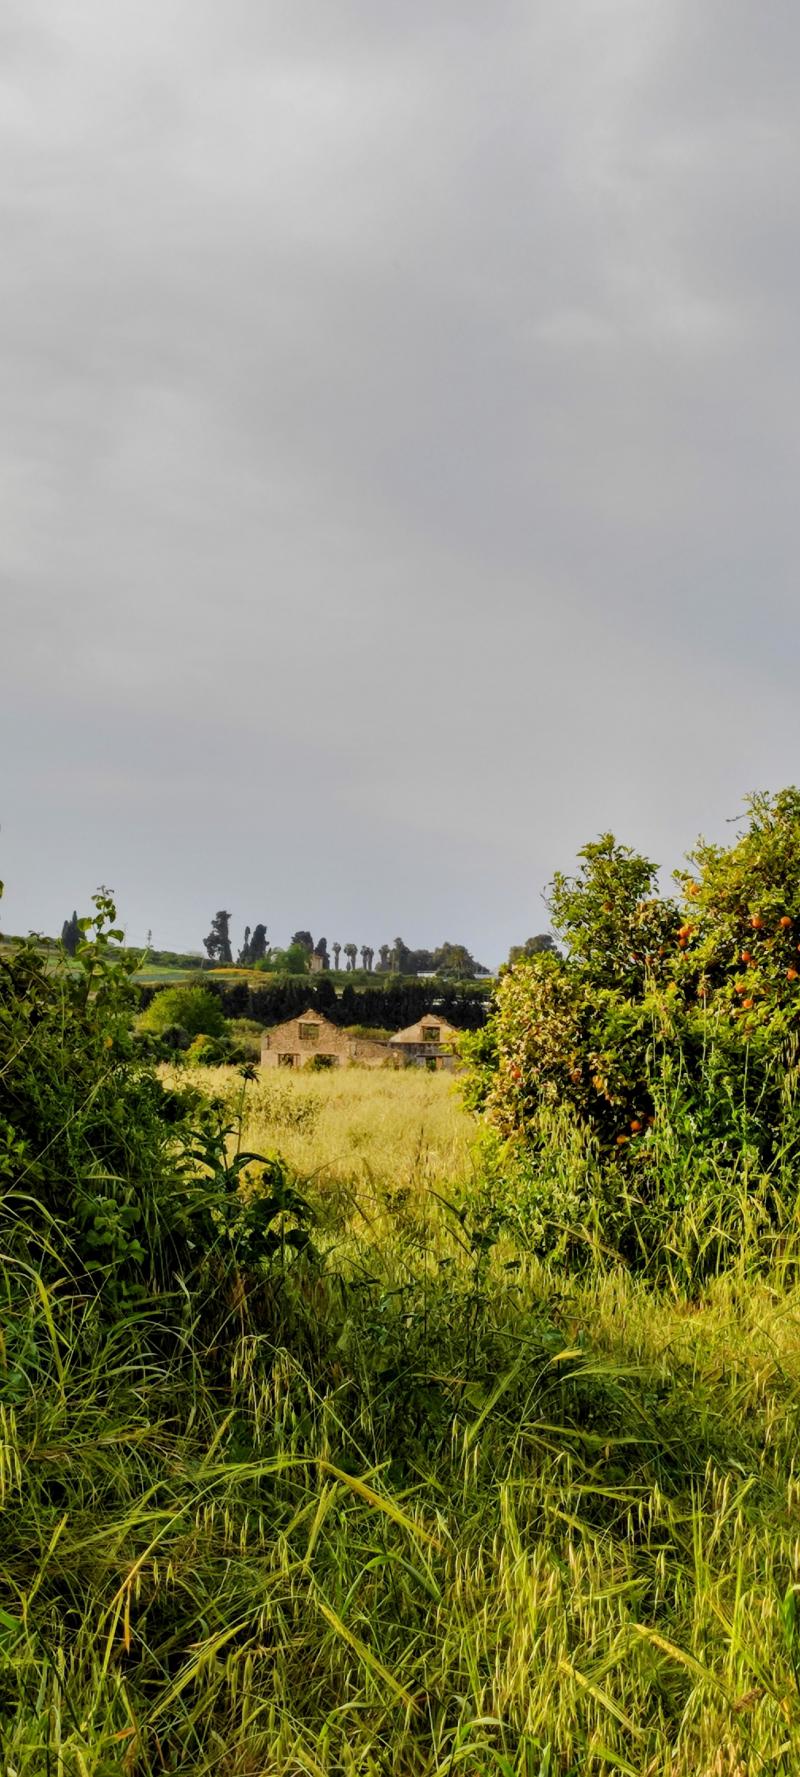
337	951
350	953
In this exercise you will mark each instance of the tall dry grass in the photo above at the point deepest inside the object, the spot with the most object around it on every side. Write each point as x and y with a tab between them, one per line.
373	1137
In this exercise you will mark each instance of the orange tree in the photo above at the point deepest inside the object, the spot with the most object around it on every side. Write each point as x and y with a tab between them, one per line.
741	930
662	1027
574	1028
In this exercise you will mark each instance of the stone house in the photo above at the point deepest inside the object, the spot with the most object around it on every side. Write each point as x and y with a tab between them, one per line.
429	1043
312	1037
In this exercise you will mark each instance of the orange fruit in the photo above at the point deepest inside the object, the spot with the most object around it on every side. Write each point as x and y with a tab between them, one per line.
784	921
635	1125
756	922
747	956
747	1005
791	974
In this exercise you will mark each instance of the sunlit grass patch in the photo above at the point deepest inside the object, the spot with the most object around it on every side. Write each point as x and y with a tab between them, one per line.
374	1130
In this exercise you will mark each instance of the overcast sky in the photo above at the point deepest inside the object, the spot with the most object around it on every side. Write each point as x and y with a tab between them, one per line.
398	451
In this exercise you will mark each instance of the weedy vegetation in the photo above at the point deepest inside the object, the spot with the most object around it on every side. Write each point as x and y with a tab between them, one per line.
347	1430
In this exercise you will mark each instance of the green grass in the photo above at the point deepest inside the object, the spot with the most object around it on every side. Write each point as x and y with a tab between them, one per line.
591	1556
419	1506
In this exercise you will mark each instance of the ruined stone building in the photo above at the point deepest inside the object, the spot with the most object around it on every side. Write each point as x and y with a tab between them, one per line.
313	1038
429	1043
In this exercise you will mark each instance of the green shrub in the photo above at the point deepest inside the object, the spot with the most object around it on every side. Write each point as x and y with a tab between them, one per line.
193	1009
106	1176
87	1134
207	1052
244	1035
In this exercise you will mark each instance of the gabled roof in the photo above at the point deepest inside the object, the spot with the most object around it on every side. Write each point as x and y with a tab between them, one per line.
312	1016
414	1032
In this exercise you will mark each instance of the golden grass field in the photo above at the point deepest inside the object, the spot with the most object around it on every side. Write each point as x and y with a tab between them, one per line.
377	1135
375	1125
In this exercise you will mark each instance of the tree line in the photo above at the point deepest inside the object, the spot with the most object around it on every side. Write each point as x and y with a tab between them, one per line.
448	960
391	1005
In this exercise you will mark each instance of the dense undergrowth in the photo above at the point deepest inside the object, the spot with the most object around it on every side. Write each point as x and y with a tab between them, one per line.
303	1478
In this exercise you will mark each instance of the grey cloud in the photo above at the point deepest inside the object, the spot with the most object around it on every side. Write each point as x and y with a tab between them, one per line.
397	452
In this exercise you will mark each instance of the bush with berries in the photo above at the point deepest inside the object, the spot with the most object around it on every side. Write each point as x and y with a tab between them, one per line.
665	1029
